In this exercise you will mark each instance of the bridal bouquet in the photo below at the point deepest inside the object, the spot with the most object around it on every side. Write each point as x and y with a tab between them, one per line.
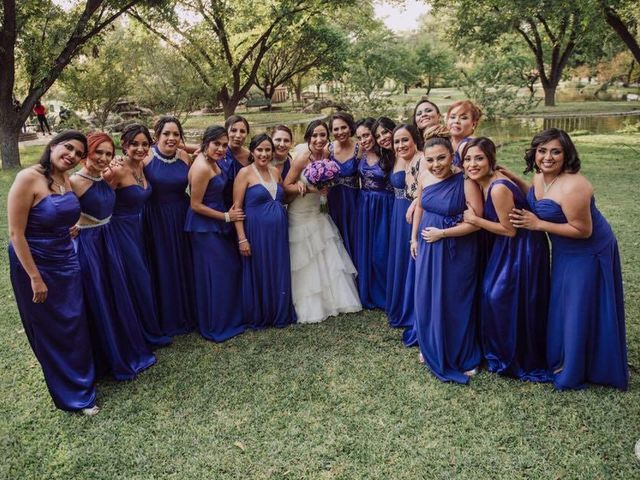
320	174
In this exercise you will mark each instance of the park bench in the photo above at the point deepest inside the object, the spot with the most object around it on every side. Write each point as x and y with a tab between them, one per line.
258	102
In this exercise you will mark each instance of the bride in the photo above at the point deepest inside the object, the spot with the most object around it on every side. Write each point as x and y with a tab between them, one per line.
322	274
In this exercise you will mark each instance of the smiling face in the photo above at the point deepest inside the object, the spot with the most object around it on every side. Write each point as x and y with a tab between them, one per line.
476	164
66	155
99	159
460	123
237	135
282	141
138	149
169	139
216	149
365	137
384	138
438	161
550	157
403	144
319	139
426	116
262	154
340	130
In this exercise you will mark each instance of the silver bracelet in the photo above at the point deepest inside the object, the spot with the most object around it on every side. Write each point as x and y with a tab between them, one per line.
227	218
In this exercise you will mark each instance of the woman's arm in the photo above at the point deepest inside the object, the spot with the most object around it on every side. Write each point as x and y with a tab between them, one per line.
522	184
411	210
200	177
292	185
503	203
20	201
417	217
239	189
576	206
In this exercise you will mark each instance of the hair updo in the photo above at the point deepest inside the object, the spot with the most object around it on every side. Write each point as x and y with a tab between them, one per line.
437	135
132	131
211	134
164	120
257	140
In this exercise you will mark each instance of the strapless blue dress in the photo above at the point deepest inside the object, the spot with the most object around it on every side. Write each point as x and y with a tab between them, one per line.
230	166
216	267
373	233
126	226
343	201
446	285
119	346
586	340
514	298
57	329
167	244
266	274
399	307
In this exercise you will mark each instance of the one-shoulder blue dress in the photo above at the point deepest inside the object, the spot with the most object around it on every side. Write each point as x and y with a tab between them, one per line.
266	274
374	220
514	298
216	267
446	286
399	307
168	246
586	340
119	346
126	226
230	166
57	329
343	200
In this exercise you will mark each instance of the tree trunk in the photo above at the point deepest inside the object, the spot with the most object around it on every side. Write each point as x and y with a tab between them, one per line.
9	138
550	95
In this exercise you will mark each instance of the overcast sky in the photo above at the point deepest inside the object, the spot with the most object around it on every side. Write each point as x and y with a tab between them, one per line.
401	18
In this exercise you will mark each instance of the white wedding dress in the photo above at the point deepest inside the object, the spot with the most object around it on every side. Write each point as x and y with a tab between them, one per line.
322	274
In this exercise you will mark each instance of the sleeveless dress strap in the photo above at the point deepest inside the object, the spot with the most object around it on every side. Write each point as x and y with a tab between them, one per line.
271	186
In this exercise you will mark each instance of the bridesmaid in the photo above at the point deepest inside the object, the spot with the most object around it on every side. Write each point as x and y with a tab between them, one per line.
446	264
400	310
462	120
344	194
216	263
263	240
383	132
45	273
282	140
132	191
167	244
515	286
117	336
425	114
237	155
374	218
586	330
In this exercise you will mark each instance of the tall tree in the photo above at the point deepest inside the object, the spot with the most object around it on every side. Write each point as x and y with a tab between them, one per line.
623	17
551	29
42	38
230	39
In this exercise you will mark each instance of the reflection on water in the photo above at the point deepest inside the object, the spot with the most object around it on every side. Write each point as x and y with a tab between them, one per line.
504	130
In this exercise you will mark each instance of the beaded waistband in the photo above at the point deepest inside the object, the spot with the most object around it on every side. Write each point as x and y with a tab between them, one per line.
350	181
97	222
399	192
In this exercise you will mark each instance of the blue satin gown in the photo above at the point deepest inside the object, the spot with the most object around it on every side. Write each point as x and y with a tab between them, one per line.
343	201
446	286
126	226
399	307
515	298
120	348
216	267
230	166
586	340
168	246
266	274
57	329
373	233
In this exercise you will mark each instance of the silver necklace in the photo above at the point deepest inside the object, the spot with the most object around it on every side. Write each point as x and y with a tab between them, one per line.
62	188
139	178
164	159
88	177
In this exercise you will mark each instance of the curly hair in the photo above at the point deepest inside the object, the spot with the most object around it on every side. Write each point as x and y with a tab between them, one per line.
45	158
571	159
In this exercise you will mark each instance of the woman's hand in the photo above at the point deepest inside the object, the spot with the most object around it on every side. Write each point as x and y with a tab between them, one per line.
324	191
432	234
469	215
302	188
521	218
410	210
74	231
236	214
39	290
414	249
245	248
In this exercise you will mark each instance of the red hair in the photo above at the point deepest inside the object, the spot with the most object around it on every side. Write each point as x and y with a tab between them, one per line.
466	106
95	139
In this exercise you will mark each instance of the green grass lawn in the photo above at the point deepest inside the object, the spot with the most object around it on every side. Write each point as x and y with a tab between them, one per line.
343	399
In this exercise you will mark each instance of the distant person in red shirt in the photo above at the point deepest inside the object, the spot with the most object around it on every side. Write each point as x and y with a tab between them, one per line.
41	112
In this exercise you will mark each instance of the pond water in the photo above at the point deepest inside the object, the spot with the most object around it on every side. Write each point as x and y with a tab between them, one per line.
508	129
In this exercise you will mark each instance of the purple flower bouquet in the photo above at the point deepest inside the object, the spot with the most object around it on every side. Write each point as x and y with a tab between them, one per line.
320	174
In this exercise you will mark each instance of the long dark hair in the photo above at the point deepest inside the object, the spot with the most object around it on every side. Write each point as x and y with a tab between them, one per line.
486	145
415	109
387	157
130	132
312	126
211	134
571	159
257	140
413	131
346	118
45	158
164	120
384	161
